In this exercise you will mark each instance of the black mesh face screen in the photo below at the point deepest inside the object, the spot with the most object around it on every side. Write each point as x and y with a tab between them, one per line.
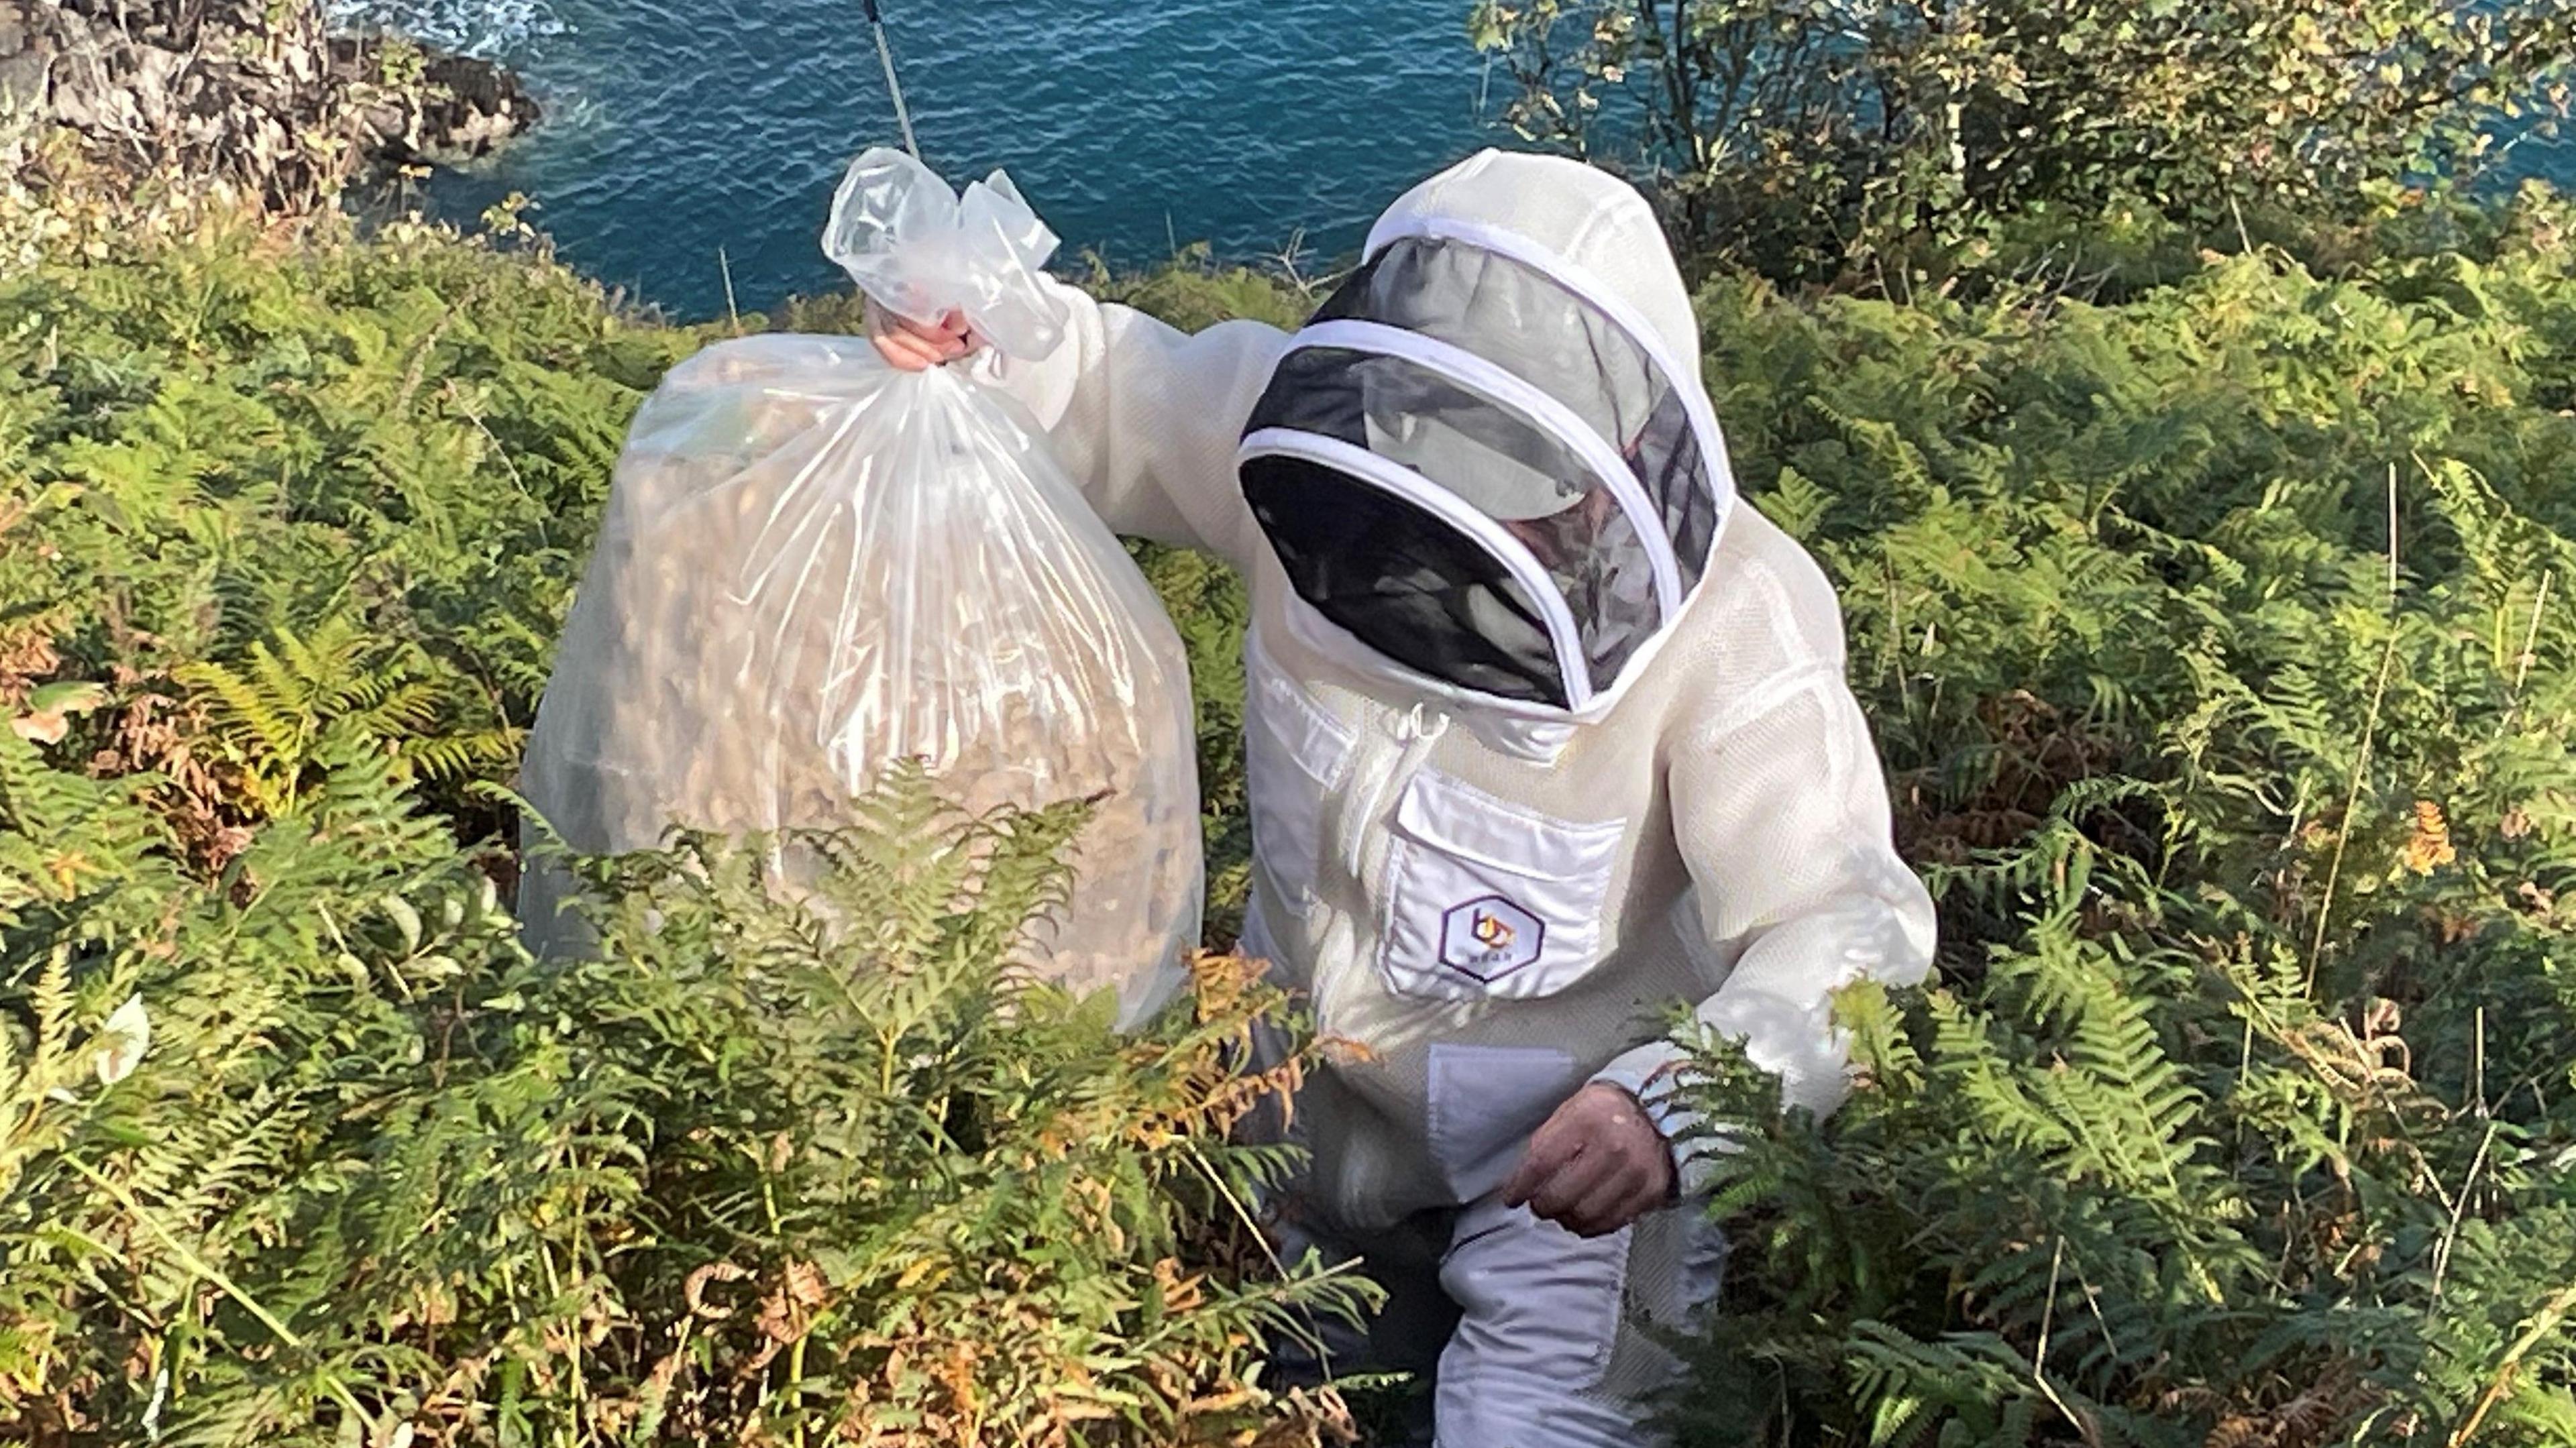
1534	327
1403	582
1482	454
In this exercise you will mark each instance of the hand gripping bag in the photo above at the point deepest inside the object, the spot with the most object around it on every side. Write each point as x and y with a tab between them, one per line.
814	565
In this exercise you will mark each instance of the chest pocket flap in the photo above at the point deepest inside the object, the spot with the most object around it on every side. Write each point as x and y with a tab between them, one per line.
1489	900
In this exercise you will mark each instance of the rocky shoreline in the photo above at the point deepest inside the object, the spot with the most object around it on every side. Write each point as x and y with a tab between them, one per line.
252	94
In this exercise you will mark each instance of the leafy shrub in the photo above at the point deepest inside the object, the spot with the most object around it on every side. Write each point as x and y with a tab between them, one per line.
321	480
2221	646
1824	136
286	532
2240	1114
741	1179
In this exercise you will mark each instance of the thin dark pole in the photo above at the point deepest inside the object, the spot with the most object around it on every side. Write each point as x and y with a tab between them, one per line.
894	84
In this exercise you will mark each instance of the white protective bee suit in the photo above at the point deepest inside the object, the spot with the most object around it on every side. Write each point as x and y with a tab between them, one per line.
1515	794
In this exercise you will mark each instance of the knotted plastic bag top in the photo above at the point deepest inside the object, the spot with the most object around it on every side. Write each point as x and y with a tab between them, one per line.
922	250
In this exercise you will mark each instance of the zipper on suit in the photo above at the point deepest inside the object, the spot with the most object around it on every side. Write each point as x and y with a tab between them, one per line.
1378	776
1417	732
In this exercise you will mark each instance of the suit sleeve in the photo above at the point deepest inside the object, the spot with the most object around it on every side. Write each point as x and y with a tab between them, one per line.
1781	811
1146	418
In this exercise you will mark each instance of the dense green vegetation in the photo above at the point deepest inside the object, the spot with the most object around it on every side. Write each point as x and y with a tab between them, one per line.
2243	1104
288	533
2213	612
1870	139
2220	645
2217	638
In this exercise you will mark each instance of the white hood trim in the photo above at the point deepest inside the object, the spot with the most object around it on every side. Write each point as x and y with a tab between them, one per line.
1532	730
1549	416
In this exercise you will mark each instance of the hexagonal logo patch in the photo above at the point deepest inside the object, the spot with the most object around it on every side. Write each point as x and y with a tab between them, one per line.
1490	938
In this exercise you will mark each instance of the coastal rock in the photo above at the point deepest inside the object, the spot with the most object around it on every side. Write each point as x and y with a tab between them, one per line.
462	109
255	95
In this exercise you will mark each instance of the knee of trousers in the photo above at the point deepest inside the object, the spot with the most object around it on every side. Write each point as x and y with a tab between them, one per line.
1569	1343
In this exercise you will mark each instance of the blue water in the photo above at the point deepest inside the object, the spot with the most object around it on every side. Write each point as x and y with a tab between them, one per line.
682	127
682	130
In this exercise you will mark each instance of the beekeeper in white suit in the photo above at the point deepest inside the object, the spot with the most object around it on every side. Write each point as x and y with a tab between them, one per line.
1547	733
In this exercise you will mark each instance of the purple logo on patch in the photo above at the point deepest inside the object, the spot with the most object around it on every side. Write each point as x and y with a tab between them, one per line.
1490	938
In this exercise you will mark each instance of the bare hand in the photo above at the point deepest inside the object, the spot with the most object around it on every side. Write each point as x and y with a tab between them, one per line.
1597	1165
912	347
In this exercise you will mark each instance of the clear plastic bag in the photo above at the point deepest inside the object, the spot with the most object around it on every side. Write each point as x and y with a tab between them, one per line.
814	565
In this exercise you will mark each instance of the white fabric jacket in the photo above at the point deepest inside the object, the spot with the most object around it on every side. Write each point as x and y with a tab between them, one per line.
1713	830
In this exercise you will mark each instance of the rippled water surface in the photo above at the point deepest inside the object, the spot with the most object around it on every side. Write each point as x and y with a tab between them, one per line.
685	127
682	128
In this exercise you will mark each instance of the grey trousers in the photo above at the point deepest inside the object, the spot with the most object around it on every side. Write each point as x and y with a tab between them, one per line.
1532	1337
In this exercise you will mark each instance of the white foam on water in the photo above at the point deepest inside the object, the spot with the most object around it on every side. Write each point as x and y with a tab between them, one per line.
489	29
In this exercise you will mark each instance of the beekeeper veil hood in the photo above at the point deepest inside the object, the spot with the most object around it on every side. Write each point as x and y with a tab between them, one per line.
1489	458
